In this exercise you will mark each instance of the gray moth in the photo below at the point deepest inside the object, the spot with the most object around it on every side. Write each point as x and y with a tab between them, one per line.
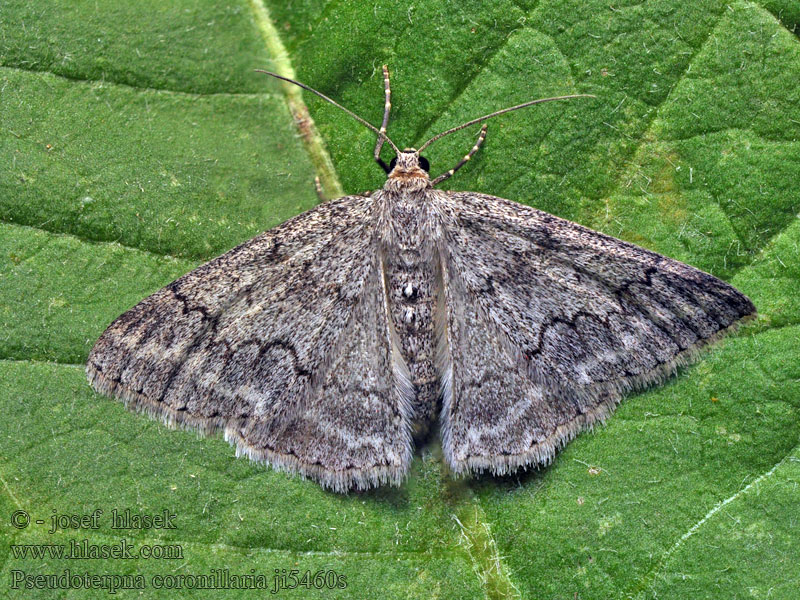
328	345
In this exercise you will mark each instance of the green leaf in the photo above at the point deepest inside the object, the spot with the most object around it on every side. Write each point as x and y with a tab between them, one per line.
137	142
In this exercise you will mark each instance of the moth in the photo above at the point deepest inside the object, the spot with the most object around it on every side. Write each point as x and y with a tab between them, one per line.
328	345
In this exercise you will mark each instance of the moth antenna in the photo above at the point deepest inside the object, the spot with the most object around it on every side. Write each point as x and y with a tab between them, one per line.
381	134
386	108
500	112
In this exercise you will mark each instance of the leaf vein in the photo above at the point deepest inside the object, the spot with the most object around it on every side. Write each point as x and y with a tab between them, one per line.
651	576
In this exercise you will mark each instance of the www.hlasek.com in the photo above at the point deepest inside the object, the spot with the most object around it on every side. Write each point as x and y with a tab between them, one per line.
84	549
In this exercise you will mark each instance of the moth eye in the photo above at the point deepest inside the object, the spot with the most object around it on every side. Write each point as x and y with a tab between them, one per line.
423	162
392	163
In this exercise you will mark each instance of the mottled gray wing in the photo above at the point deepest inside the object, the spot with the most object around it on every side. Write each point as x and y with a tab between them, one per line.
284	344
547	323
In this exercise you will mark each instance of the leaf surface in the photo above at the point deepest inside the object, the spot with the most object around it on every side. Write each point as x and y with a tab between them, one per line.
136	143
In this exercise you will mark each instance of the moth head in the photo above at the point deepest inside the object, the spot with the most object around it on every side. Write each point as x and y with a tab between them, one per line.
408	171
409	161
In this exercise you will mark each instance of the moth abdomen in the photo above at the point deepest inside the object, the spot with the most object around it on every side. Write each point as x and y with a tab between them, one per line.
411	289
